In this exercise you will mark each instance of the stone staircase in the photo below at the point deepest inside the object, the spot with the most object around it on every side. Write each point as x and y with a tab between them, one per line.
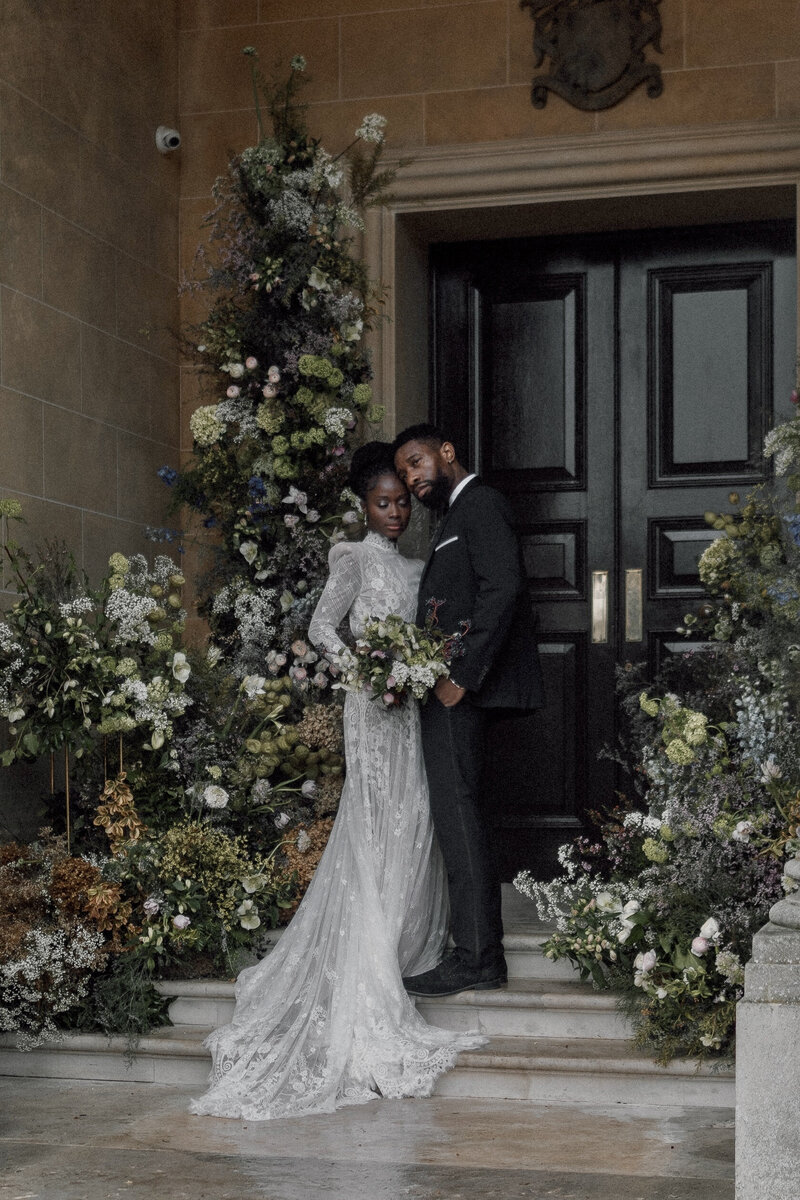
552	1038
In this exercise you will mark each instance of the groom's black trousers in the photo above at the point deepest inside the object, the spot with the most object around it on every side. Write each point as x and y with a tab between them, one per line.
453	743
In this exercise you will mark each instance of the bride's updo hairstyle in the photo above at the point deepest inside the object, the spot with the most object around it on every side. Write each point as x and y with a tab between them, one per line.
367	465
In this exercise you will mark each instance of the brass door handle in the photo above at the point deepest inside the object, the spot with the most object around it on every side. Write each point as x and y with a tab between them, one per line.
599	607
634	617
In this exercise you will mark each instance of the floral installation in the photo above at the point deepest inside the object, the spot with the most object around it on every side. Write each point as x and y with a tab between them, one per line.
204	782
662	899
77	662
284	366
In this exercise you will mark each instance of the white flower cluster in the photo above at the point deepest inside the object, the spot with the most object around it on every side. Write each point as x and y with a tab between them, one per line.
759	717
76	607
640	820
418	678
46	980
205	425
292	211
129	613
784	443
372	128
336	421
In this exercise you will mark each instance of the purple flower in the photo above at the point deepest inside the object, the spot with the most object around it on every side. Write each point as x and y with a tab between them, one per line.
167	475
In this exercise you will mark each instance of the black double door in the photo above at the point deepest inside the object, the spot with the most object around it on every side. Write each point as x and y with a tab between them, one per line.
615	388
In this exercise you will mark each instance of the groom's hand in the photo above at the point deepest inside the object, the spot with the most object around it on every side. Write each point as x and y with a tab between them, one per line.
448	693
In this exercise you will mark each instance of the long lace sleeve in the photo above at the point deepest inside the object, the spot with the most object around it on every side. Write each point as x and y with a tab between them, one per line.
344	584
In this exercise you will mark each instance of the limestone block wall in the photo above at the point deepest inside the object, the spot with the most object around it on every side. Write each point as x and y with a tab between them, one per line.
89	379
89	401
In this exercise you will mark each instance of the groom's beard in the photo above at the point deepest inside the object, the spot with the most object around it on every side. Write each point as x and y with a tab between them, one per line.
438	494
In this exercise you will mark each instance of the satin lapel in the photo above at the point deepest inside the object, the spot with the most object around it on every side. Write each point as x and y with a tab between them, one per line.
440	528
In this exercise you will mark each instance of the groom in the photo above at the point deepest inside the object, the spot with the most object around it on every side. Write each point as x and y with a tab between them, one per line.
474	580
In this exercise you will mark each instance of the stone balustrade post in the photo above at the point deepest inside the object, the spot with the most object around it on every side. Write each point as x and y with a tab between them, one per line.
768	1058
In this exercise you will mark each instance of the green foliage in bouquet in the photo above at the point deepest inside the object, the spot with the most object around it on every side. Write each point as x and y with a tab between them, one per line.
662	904
394	659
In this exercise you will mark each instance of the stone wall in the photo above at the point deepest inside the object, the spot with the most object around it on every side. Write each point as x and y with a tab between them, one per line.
89	403
88	268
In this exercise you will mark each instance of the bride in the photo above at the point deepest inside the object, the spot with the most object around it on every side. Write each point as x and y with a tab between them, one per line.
324	1020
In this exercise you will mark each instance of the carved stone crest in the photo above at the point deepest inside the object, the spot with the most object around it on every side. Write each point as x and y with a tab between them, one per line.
596	50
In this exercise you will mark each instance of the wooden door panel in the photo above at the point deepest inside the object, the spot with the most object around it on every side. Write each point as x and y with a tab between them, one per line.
533	387
710	371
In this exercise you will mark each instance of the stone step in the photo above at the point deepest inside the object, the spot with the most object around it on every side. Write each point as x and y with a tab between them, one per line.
531	1008
546	1070
584	1071
526	1008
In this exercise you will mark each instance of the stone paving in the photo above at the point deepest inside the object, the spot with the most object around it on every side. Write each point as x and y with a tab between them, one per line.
64	1140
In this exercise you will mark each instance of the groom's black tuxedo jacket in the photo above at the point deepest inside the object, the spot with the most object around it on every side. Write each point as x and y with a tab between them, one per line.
474	572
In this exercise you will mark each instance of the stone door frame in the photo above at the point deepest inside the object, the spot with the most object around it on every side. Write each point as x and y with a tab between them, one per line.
567	185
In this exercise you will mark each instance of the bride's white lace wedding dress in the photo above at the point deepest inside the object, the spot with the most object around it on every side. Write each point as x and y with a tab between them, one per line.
324	1020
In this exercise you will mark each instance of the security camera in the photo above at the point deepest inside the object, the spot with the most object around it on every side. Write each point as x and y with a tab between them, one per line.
167	139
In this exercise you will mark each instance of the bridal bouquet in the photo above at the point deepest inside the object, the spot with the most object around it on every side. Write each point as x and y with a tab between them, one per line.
394	659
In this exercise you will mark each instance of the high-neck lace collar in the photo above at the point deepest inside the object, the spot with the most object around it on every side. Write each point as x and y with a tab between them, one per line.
380	542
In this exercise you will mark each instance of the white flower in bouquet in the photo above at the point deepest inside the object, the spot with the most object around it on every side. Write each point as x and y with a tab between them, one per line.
181	921
298	498
253	685
770	771
643	964
253	883
281	820
180	667
607	902
309	788
742	831
248	915
249	552
214	796
710	930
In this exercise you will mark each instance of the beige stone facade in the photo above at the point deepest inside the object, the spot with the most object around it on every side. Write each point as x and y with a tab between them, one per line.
88	264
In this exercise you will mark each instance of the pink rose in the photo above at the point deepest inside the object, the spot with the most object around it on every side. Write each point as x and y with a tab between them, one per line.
391	681
388	698
251	363
700	946
338	451
233	391
269	392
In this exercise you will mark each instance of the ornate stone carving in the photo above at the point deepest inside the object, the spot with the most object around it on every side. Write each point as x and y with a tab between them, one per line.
596	50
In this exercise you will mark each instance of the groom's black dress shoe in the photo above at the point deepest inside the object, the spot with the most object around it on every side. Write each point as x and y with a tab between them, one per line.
453	975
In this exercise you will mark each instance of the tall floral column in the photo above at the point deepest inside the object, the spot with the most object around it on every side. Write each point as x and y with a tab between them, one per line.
767	1062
